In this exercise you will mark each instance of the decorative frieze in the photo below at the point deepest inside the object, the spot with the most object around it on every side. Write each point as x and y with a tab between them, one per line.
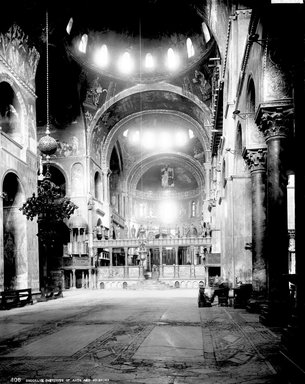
256	159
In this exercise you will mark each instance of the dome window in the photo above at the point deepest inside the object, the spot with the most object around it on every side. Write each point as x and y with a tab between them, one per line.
101	57
149	61
83	44
206	32
125	63
190	48
172	59
193	209
69	26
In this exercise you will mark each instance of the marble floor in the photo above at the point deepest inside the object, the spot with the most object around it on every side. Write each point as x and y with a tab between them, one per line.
149	337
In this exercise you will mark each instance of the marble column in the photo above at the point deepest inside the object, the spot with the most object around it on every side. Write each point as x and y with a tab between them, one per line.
90	206
126	262
275	122
176	255
207	167
106	174
161	263
256	161
110	257
73	279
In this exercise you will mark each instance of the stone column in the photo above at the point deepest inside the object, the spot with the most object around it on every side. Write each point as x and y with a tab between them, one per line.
73	279
275	121
207	168
92	255
106	174
1	237
126	262
192	254
110	257
161	263
256	161
63	280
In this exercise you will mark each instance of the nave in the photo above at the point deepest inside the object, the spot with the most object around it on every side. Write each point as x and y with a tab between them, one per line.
147	337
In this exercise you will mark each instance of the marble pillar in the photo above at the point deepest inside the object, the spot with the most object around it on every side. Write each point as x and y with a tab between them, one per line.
161	263
274	120
73	279
256	161
126	262
110	258
176	255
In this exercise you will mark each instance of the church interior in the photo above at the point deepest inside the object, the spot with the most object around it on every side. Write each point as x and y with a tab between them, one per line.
155	142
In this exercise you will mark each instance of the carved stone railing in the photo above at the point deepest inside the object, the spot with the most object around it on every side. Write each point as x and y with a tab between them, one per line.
168	194
77	248
165	272
167	242
76	261
213	259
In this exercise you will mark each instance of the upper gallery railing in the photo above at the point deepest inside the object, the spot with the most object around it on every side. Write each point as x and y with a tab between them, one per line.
150	243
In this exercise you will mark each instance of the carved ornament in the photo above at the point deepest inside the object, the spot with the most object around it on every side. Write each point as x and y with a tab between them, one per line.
256	159
275	123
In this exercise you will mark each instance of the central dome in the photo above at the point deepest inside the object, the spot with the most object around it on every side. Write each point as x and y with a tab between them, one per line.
159	39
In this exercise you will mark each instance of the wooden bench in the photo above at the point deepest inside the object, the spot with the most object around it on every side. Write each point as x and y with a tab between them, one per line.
12	298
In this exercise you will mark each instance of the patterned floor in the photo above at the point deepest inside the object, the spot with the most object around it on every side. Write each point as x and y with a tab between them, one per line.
136	337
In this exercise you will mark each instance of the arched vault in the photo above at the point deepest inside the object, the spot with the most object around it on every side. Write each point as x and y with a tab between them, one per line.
149	99
181	159
113	135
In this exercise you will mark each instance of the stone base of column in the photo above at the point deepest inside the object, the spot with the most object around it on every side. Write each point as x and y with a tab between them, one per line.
292	349
274	314
257	299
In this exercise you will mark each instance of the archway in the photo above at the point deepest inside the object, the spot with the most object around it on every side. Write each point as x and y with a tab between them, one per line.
14	234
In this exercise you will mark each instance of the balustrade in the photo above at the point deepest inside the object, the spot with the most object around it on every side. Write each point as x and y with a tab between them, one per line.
164	242
76	261
164	272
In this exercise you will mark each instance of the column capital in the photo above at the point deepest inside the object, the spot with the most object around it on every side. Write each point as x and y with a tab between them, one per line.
274	119
106	171
256	159
207	165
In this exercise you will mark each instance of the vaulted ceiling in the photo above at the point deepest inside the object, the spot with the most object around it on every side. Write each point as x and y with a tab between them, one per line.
180	99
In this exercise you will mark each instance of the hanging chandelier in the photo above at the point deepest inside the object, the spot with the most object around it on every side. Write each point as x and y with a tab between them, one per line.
47	144
48	206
